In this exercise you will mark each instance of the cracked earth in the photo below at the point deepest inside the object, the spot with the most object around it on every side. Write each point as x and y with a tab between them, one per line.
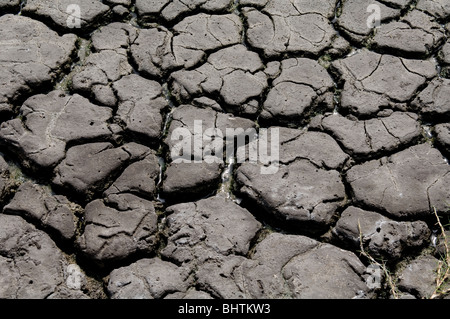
93	204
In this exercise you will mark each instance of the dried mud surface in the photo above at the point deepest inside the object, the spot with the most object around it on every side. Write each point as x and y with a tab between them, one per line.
95	205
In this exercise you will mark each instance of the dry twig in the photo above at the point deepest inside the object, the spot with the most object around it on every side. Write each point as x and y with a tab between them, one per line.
382	266
443	270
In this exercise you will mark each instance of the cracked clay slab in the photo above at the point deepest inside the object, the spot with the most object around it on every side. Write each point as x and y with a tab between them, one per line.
49	122
318	129
382	236
374	81
355	14
149	278
364	139
194	171
89	168
306	191
408	184
286	266
31	57
171	10
31	265
54	212
278	27
215	225
302	87
66	14
118	227
414	35
157	50
235	75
